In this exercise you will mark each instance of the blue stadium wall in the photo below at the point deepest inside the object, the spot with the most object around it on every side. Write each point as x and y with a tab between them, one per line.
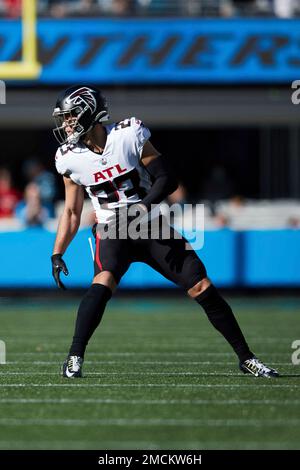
233	259
161	51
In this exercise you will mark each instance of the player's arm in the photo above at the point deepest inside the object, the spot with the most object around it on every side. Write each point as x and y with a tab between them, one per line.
164	181
67	227
70	219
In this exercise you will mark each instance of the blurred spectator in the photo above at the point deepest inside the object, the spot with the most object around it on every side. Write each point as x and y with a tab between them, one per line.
36	172
63	8
293	222
221	221
237	202
226	8
30	211
122	7
12	8
59	9
223	8
192	7
9	196
223	217
285	8
87	7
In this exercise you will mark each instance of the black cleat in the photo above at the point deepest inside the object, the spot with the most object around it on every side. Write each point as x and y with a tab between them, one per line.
72	367
255	367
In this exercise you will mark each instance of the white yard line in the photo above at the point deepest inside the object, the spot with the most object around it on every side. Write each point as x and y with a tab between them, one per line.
134	444
150	422
88	444
63	401
140	374
71	383
139	353
140	362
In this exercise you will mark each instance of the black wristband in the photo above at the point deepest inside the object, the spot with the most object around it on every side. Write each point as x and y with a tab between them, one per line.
57	256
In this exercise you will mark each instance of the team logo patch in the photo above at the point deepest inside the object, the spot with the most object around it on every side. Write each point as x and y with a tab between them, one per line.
85	96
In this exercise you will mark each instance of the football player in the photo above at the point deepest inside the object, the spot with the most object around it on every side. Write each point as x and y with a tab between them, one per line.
119	167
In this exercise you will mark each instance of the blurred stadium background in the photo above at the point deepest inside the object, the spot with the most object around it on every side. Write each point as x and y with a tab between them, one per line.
213	81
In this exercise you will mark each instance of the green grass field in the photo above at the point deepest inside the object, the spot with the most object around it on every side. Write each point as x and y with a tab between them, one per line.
157	376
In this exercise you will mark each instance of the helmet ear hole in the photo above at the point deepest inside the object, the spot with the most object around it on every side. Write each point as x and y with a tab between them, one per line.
84	104
102	116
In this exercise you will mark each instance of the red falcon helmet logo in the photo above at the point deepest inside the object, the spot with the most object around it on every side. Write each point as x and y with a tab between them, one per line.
83	95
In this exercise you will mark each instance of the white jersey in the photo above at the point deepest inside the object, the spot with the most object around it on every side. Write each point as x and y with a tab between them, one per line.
115	177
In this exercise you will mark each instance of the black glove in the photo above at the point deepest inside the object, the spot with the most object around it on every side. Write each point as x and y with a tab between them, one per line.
58	265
